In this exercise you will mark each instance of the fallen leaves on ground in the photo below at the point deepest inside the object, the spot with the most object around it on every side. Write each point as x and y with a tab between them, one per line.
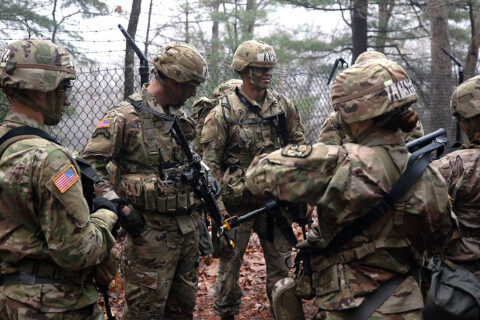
255	303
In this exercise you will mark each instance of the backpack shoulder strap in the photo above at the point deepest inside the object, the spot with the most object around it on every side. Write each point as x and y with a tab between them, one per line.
21	133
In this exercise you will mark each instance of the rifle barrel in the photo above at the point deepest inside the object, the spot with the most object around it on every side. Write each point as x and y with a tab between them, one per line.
423	141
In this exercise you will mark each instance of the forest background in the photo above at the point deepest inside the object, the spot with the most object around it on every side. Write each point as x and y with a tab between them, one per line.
434	40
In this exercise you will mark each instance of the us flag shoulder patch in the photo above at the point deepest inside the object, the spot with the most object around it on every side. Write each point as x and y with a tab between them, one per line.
66	179
105	123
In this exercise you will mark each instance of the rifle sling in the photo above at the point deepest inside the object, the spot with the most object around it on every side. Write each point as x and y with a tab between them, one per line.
140	105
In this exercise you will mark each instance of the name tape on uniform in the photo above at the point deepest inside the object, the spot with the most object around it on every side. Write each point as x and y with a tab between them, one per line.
267	57
66	179
400	90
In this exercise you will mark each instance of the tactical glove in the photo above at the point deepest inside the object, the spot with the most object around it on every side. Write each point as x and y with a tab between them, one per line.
102	202
132	222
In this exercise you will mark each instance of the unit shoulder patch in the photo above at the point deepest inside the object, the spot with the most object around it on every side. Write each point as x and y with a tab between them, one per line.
66	179
297	151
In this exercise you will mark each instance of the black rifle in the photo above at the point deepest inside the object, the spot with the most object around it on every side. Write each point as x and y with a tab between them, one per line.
196	175
458	133
143	69
296	210
335	66
439	135
279	122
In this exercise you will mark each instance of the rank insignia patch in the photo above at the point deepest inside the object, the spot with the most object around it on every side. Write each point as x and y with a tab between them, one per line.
105	123
66	179
297	151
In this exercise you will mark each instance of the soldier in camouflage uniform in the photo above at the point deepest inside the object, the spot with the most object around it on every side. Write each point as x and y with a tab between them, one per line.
233	133
49	242
159	263
332	131
202	107
346	181
461	172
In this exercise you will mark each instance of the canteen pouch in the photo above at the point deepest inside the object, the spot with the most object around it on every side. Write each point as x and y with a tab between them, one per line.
454	293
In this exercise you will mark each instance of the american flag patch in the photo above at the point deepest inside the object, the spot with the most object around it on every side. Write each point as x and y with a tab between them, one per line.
105	123
66	179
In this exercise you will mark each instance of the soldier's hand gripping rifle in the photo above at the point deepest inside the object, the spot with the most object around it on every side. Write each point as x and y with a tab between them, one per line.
196	175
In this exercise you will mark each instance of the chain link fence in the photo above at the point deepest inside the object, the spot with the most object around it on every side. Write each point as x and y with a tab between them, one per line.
96	90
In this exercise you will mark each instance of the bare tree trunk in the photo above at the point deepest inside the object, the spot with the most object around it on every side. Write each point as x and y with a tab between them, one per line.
441	67
385	9
215	43
147	36
54	19
250	23
187	12
129	54
472	55
359	28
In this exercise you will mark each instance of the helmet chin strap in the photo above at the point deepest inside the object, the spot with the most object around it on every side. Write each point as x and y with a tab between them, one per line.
251	77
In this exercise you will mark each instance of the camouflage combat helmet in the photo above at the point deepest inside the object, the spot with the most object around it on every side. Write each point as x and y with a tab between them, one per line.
39	65
225	87
465	100
181	62
369	89
35	64
254	53
369	55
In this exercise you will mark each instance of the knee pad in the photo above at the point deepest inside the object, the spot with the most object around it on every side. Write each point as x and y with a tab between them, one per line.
286	304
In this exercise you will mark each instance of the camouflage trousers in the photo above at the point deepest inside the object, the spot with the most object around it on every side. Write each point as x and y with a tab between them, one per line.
14	310
340	315
160	272
228	293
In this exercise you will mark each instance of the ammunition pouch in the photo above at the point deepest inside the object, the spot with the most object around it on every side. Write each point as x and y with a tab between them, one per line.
150	194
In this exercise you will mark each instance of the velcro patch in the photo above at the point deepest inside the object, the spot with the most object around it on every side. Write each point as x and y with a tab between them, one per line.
400	90
105	123
266	57
66	179
297	151
209	116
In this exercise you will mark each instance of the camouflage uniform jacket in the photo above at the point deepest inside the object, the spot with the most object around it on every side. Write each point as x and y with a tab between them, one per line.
346	181
333	133
46	228
200	109
461	170
148	161
233	135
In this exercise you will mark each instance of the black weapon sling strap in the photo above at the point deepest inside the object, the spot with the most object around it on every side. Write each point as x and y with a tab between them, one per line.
416	165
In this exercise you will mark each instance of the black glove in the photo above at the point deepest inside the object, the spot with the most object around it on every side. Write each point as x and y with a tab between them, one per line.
133	222
102	202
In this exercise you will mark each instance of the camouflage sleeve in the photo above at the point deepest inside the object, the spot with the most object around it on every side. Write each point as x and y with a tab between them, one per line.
75	239
451	169
296	130
331	133
188	125
295	173
416	133
214	136
104	145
